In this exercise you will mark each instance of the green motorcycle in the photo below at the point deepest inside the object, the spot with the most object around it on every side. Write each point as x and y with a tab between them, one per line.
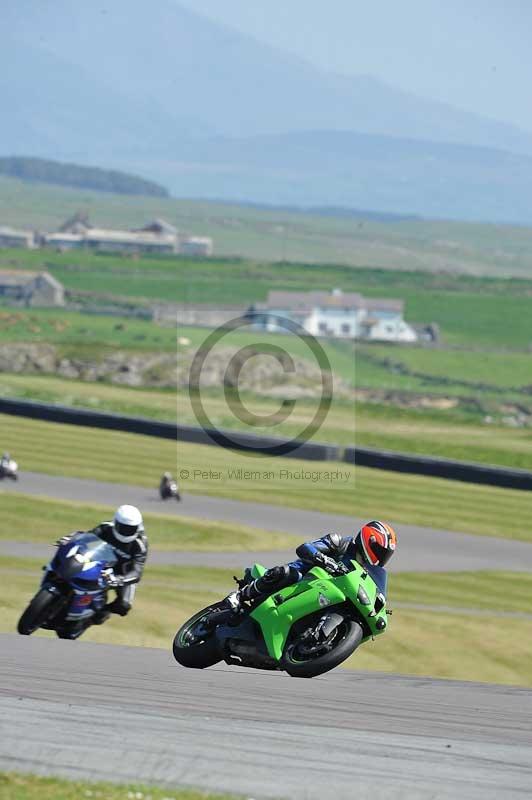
306	628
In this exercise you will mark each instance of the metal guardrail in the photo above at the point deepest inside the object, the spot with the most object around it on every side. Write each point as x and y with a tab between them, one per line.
311	451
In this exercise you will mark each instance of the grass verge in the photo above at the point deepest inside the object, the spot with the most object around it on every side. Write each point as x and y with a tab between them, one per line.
139	460
452	644
15	786
31	519
458	432
458	646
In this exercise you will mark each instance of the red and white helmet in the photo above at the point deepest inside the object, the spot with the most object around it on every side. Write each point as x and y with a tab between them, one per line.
375	543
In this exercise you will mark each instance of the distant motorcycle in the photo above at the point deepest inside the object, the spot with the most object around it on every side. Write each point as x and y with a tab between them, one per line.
305	629
168	489
75	585
8	469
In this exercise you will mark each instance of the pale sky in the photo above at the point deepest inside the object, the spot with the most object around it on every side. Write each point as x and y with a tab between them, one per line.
473	54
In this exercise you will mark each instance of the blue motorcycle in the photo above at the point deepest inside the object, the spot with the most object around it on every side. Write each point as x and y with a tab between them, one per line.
73	592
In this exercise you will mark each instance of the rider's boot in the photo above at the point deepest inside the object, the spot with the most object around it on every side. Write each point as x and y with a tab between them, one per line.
259	588
100	616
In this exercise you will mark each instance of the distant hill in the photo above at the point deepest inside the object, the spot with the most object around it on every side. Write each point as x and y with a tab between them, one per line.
353	170
74	175
204	77
191	103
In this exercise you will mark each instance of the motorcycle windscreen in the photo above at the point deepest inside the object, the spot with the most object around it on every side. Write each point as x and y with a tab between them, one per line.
82	559
379	576
91	547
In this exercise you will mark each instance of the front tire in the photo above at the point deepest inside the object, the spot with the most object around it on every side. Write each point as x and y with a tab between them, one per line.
347	638
38	612
195	646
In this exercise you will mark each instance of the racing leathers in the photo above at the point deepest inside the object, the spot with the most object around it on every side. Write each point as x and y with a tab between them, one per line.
327	552
129	567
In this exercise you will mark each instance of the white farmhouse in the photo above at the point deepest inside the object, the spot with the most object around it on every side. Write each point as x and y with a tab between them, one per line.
346	315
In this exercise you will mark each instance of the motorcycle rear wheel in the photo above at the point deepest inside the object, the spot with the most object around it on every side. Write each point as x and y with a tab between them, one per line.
347	642
37	612
196	654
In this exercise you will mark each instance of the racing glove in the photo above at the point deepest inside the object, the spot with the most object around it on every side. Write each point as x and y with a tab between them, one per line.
65	539
111	580
328	564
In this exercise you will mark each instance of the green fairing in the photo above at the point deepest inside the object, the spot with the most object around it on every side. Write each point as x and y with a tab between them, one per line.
317	591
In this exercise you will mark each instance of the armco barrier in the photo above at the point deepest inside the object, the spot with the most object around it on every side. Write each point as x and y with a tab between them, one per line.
440	468
308	451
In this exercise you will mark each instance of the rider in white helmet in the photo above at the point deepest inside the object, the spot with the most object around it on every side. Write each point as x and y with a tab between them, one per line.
127	536
125	533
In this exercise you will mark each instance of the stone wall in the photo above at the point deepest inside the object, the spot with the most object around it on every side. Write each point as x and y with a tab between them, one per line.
209	315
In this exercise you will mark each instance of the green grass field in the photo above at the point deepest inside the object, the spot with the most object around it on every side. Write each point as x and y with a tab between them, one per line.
15	786
468	310
139	460
452	433
401	368
465	645
44	520
84	334
274	235
483	370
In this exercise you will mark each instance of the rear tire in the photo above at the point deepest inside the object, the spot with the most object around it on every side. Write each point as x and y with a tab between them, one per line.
38	612
201	654
351	636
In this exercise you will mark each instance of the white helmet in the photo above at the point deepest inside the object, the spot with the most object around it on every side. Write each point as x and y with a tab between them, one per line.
127	523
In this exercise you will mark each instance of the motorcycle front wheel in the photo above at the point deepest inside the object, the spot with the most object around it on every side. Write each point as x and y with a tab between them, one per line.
195	644
38	612
300	661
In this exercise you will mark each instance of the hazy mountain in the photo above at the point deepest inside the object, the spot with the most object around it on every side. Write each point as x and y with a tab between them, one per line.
355	170
55	108
218	79
211	112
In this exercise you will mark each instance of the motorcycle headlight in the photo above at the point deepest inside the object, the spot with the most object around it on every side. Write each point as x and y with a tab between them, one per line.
363	597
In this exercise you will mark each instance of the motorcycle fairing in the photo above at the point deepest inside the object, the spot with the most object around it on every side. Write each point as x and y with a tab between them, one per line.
80	562
316	592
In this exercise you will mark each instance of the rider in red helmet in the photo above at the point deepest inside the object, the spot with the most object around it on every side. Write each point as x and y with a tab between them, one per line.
372	548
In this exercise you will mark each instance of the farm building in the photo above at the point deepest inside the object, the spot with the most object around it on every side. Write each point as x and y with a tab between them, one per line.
78	233
195	246
337	314
110	241
10	237
31	288
158	226
64	241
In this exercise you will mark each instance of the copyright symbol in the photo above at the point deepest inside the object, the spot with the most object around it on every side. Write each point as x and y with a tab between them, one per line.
184	474
232	395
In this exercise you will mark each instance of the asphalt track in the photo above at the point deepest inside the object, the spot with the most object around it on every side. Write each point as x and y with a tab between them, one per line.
421	549
116	713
